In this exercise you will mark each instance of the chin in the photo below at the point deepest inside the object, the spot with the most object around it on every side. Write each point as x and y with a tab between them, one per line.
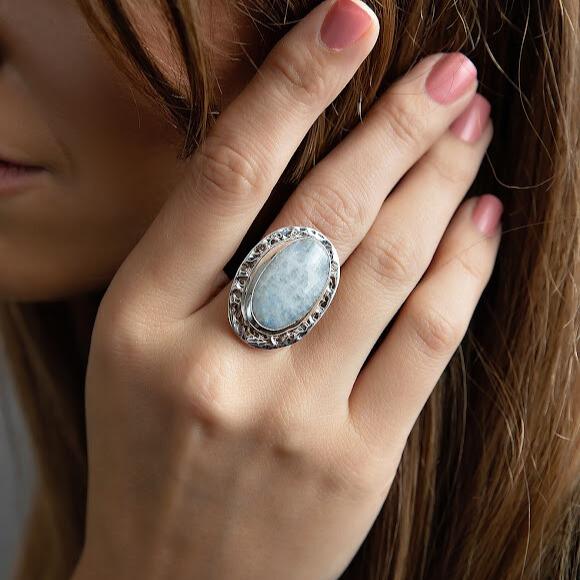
25	285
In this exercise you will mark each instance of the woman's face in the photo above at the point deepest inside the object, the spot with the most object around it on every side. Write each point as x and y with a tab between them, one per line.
108	158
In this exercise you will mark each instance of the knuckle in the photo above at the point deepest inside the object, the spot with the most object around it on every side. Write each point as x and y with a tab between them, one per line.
404	123
299	73
435	334
228	172
202	378
372	477
391	259
293	440
330	210
448	170
357	466
361	469
120	332
286	433
472	268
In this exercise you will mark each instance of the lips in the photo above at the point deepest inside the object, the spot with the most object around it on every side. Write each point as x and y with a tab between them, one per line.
11	168
16	177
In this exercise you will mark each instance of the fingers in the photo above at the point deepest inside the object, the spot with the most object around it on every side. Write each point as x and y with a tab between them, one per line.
397	250
395	384
172	268
342	195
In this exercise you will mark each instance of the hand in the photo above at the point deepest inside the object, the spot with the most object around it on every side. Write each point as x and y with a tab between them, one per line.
210	459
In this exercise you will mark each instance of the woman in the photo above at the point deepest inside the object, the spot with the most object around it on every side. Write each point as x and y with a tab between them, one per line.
426	427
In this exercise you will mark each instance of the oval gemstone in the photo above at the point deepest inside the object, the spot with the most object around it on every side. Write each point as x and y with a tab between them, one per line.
291	284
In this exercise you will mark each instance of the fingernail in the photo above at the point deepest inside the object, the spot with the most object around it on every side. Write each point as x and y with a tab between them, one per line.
470	124
451	77
486	213
344	24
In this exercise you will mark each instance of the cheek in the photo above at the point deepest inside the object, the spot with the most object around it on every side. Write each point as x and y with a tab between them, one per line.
116	159
104	127
115	165
72	235
55	244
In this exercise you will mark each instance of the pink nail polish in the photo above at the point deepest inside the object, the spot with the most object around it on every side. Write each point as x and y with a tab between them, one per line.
450	78
345	23
486	213
470	124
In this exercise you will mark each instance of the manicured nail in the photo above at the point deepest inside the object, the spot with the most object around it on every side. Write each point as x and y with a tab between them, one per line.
344	24
486	213
470	124
451	77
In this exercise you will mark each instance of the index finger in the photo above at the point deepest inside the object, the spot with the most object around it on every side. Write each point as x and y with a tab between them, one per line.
171	271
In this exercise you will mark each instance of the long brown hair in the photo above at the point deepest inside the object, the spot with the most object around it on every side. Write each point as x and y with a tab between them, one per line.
489	483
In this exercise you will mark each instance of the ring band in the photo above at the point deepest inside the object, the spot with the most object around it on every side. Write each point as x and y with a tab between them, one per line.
283	287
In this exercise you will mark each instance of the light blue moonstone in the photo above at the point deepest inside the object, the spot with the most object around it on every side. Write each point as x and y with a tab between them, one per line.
290	284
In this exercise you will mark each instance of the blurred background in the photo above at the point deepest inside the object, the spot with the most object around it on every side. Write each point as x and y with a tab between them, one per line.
16	472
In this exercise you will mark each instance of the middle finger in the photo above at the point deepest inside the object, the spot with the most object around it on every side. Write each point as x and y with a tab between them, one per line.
342	195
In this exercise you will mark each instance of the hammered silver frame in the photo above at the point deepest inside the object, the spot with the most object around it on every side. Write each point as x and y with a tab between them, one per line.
240	313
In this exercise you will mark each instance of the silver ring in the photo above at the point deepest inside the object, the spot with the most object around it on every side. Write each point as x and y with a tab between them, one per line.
283	287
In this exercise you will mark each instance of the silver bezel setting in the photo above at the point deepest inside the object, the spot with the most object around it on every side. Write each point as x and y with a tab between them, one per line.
240	313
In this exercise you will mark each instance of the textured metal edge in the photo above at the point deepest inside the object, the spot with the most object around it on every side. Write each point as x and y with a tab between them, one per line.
248	329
